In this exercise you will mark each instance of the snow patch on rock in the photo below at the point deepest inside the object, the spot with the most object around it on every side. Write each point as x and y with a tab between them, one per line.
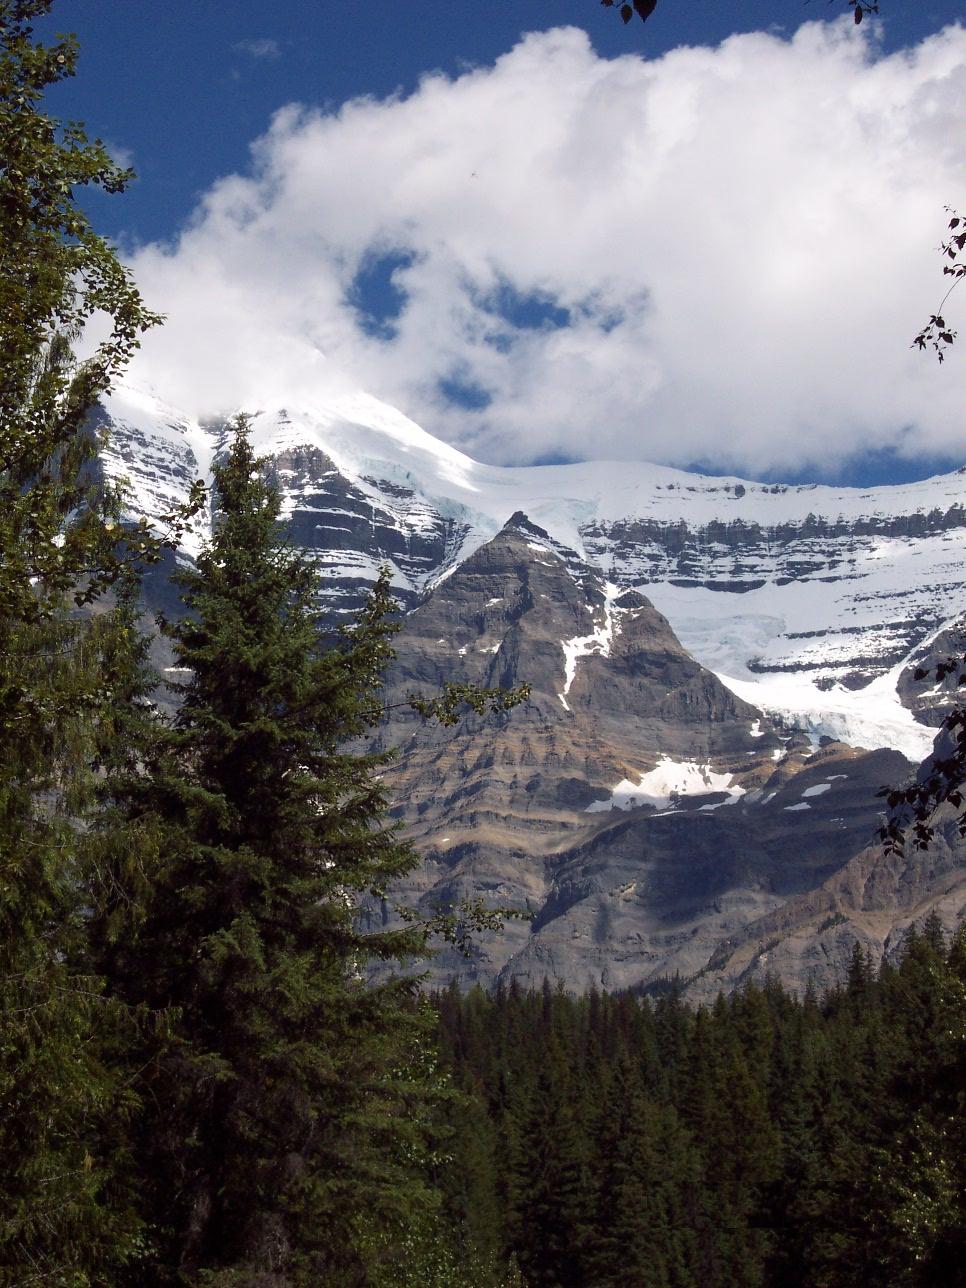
598	642
667	782
871	717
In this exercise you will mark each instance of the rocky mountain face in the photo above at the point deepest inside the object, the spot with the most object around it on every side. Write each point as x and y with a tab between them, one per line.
926	697
355	530
722	675
636	810
810	601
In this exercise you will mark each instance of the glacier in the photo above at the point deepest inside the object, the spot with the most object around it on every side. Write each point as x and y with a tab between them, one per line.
808	601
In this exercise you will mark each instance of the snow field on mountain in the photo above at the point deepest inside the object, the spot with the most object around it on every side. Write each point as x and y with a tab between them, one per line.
727	631
156	453
667	781
871	717
817	789
598	642
367	438
863	602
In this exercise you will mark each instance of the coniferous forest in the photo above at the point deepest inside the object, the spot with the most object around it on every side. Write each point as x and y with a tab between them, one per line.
199	1083
765	1140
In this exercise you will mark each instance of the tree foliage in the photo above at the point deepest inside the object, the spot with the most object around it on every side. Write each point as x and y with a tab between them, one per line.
58	525
915	810
282	1112
66	1216
764	1140
937	334
644	8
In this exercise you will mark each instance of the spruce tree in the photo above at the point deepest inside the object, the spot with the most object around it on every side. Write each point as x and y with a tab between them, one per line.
550	1189
920	1183
58	525
645	1168
62	1218
278	1139
66	1217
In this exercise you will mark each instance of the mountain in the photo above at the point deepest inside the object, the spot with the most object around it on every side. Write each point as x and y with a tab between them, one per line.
810	600
722	672
637	809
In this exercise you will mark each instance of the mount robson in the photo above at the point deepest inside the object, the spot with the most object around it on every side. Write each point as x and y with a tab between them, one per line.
722	672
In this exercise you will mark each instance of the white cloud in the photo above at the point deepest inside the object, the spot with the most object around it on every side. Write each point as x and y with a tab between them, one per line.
262	48
744	239
119	154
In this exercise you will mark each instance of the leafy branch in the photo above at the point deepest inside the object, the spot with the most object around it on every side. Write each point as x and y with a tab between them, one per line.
456	924
911	809
447	707
644	9
936	333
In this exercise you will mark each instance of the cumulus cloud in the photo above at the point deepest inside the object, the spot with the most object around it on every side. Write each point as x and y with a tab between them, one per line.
717	255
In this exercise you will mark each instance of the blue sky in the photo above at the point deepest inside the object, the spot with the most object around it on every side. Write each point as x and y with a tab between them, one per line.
185	88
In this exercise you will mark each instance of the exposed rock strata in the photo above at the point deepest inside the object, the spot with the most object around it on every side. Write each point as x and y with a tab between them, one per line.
653	822
617	898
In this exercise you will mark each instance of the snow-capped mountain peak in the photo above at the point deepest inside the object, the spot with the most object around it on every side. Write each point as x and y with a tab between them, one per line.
807	600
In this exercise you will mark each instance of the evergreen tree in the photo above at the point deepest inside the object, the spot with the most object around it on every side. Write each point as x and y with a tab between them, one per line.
58	525
551	1189
62	1219
920	1182
279	1137
797	1090
764	1141
645	1167
467	1179
65	1216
